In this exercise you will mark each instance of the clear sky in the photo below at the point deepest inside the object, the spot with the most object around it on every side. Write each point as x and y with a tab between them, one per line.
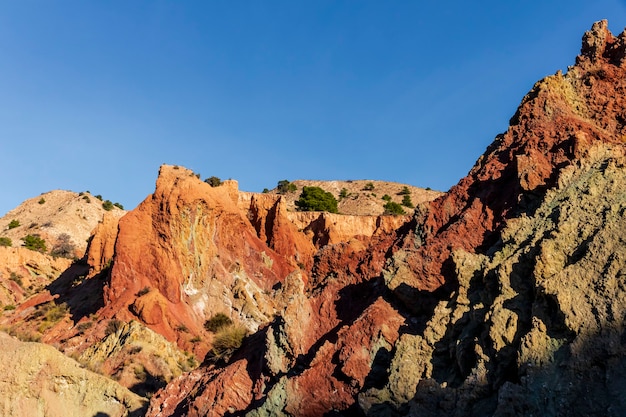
95	95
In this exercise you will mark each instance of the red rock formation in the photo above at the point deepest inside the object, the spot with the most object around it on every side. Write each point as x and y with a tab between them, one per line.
185	253
554	125
318	355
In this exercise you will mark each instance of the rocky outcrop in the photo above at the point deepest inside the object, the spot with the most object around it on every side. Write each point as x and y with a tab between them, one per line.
499	298
536	325
37	380
186	253
555	124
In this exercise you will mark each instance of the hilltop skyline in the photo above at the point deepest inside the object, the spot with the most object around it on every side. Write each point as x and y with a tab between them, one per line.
97	97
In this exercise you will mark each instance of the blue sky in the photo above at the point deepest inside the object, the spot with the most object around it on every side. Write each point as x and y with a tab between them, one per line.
96	95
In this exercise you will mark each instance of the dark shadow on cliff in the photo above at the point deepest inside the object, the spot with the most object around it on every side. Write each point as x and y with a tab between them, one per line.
83	296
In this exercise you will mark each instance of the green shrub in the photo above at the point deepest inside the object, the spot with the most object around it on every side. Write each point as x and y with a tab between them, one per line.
343	193
86	198
393	208
227	340
316	199
42	200
284	187
119	206
17	279
5	241
8	307
196	339
217	322
34	242
265	191
14	223
99	197
405	191
406	201
387	197
213	181
369	186
107	205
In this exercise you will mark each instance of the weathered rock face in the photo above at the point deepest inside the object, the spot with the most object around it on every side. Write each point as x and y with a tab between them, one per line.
186	253
24	272
503	297
190	251
37	380
554	125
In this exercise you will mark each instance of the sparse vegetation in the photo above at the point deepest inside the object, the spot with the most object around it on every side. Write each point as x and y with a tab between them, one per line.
196	339
227	340
42	200
5	241
52	313
84	326
265	191
284	187
34	242
14	223
392	207
99	197
406	201
369	186
387	197
87	199
8	307
118	205
17	279
107	205
343	193
63	246
405	191
182	328
316	199
143	291
217	322
113	326
213	181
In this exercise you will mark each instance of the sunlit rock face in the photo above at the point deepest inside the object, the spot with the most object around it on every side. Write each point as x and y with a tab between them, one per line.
503	297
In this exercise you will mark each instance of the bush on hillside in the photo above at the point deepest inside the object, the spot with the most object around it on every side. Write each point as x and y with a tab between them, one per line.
226	341
34	242
284	187
218	321
369	186
406	201
393	208
316	199
63	246
5	241
405	191
14	223
213	181
107	205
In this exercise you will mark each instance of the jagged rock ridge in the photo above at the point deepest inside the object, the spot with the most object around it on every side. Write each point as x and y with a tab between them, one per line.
496	297
502	297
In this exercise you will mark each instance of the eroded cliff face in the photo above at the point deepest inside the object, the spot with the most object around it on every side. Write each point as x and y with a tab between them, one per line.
501	297
190	251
